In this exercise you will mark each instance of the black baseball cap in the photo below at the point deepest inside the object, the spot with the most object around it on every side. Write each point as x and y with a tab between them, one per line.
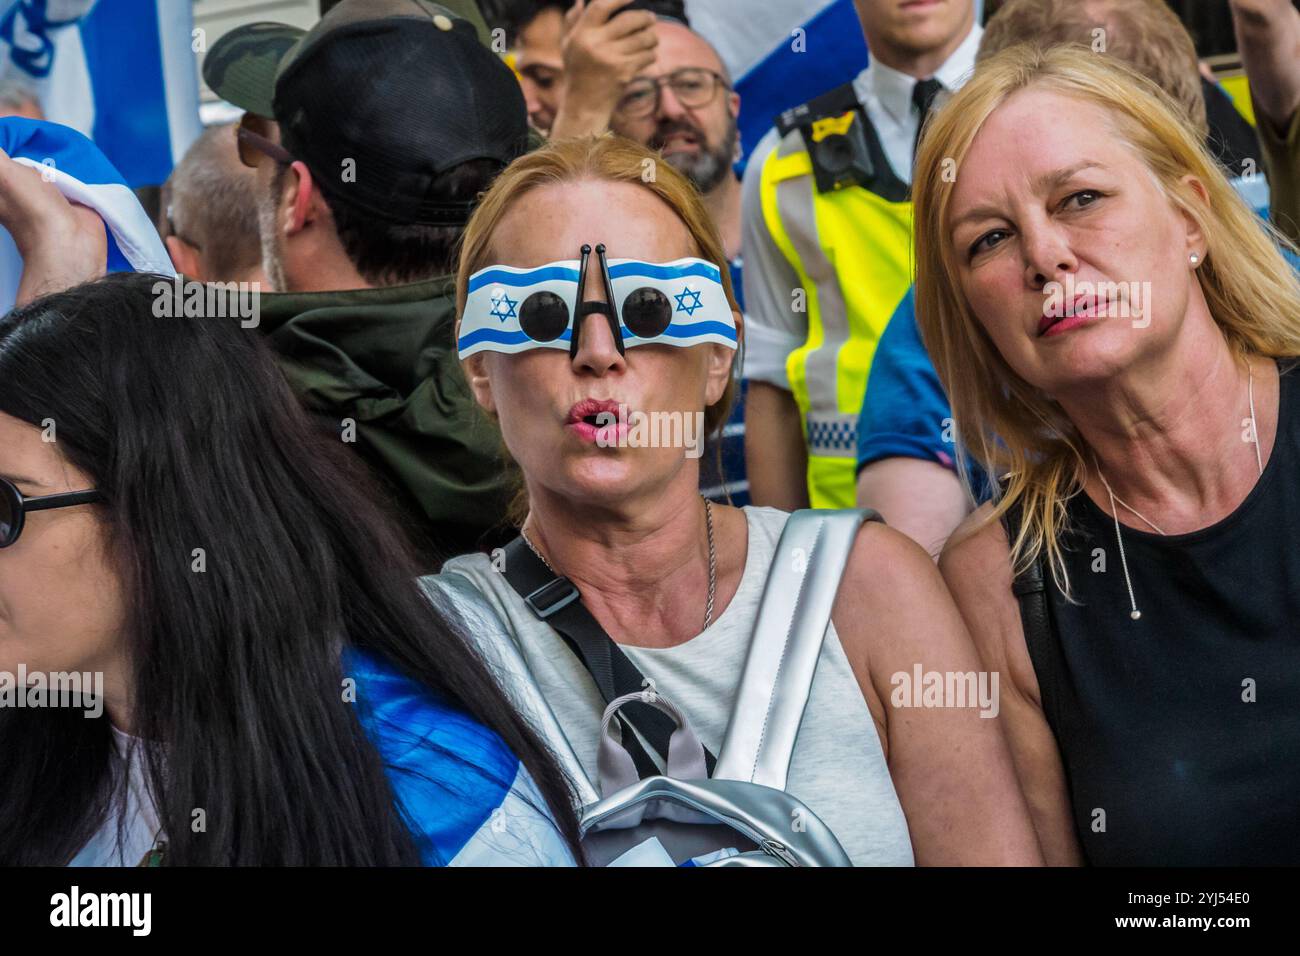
379	99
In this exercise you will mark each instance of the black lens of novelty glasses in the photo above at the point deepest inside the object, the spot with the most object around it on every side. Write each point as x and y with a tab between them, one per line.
647	313
11	511
544	316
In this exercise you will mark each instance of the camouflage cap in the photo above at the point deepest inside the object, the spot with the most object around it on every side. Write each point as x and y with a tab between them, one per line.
380	99
243	66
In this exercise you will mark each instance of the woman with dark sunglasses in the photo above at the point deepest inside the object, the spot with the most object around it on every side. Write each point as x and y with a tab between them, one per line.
592	297
275	687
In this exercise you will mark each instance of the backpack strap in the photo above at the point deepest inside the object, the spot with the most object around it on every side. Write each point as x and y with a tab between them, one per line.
792	620
459	597
557	602
614	763
1030	589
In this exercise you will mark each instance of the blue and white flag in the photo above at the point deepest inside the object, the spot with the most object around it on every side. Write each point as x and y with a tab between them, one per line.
120	71
465	796
680	303
82	173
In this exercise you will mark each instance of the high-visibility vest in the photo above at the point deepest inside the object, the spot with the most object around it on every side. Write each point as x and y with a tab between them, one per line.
852	251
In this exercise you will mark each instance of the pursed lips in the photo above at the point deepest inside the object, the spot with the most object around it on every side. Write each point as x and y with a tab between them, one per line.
1083	306
599	421
588	409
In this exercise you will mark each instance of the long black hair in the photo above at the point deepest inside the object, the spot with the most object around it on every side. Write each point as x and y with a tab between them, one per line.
191	434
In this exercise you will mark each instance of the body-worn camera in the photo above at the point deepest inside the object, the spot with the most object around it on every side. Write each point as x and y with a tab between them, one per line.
843	145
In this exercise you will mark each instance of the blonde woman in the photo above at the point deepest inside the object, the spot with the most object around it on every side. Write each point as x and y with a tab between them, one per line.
674	581
1115	330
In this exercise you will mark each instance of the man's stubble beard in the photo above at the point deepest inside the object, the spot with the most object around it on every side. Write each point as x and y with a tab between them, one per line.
707	168
272	259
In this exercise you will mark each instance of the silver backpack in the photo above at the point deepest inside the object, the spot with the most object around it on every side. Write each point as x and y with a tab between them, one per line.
741	815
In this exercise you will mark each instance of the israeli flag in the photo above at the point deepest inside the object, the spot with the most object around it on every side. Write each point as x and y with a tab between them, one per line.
491	319
467	799
76	167
496	296
119	71
700	313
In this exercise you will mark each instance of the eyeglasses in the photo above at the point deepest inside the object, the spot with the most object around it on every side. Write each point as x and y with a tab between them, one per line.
646	312
253	143
693	86
14	507
680	303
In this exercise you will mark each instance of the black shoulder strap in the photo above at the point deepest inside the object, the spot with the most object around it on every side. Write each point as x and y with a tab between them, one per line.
556	601
831	103
1030	589
852	153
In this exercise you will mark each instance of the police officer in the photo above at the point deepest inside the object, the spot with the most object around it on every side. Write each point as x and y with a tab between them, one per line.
828	247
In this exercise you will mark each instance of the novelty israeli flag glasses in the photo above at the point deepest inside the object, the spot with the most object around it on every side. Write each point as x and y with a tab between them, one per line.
679	303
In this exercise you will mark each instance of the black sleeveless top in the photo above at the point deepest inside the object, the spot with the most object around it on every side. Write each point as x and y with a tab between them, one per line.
1180	732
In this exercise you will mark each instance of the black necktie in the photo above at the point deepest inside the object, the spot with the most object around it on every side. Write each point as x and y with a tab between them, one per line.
923	95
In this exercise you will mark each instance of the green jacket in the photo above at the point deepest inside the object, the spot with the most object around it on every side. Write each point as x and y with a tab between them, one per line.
384	359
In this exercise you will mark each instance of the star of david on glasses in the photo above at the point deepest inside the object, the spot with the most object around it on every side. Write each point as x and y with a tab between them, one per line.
680	303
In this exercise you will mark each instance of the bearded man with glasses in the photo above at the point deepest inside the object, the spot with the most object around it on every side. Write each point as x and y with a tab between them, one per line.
684	106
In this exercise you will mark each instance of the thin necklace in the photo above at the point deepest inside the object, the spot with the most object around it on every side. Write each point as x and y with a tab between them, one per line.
532	547
1134	613
713	560
1114	498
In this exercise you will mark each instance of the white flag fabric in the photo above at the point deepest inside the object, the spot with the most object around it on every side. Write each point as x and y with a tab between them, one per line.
81	172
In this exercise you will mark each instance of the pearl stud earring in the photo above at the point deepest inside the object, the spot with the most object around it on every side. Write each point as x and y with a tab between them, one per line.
1194	258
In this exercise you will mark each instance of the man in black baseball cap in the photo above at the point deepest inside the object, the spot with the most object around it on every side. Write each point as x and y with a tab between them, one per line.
372	133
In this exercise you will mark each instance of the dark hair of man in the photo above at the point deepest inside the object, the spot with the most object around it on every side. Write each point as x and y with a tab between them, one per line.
188	429
514	15
388	253
673	9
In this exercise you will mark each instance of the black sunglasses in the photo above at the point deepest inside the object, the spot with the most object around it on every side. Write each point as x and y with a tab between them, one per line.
544	316
252	142
14	507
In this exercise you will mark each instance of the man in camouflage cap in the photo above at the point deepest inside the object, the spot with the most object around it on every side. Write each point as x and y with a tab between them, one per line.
371	134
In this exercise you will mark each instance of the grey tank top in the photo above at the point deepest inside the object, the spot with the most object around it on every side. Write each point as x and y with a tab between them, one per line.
837	769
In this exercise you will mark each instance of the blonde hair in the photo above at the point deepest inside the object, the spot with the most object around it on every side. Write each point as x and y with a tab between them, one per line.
1009	426
1145	34
604	158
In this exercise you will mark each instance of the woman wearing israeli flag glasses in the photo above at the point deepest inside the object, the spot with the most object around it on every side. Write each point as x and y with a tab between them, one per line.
593	295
